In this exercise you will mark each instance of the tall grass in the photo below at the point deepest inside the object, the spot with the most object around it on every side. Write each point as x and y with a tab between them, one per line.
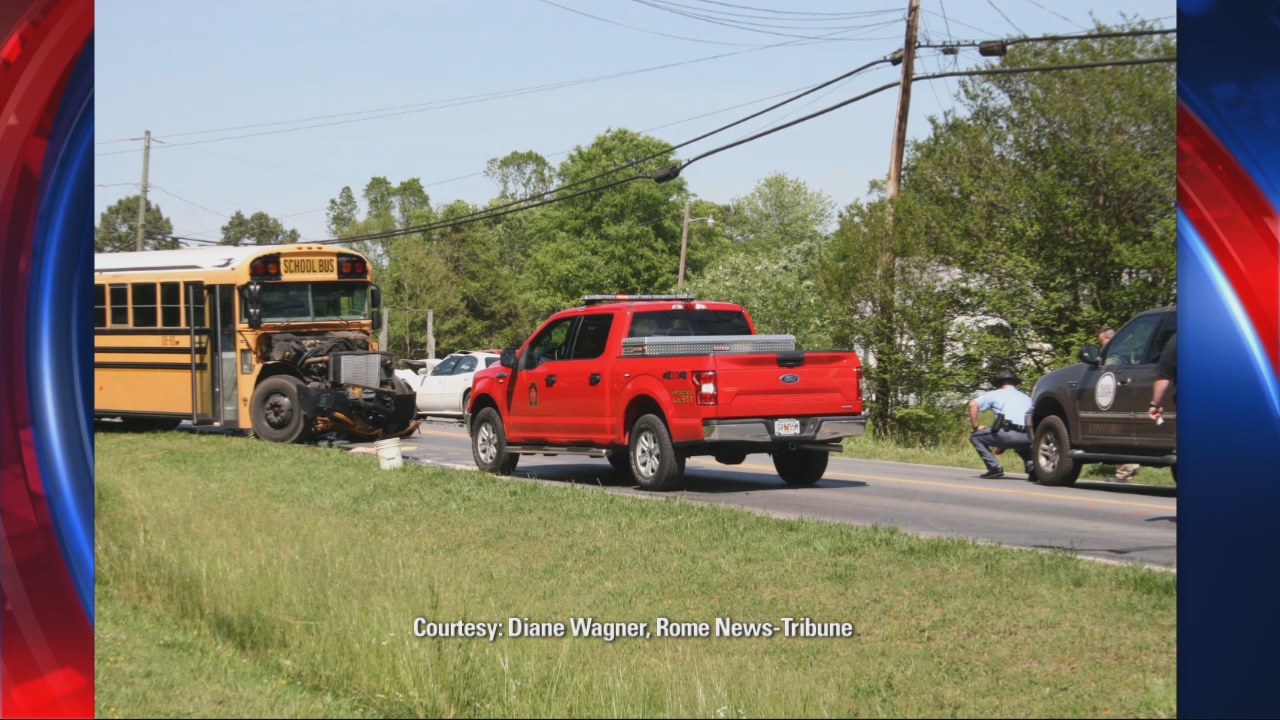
311	565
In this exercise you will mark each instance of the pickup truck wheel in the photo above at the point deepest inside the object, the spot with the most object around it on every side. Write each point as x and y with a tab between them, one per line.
276	411
489	444
653	459
800	467
1052	454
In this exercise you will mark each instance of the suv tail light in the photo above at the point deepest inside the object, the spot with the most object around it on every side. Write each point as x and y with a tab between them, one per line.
857	377
706	387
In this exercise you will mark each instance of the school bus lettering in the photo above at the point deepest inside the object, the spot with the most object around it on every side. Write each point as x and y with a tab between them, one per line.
308	266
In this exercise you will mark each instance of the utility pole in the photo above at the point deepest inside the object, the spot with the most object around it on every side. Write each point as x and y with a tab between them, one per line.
904	105
684	244
142	200
431	335
382	335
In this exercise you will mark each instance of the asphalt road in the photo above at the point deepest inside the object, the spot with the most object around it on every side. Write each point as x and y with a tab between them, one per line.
1095	519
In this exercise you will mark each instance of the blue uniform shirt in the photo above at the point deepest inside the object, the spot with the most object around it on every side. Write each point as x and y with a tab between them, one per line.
1008	401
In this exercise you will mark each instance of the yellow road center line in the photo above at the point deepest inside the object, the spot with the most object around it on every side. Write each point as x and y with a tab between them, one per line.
1067	498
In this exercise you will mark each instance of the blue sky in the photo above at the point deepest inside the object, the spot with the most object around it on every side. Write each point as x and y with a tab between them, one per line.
178	67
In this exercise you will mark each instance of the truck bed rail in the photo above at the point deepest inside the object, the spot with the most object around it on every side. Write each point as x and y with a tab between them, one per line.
667	346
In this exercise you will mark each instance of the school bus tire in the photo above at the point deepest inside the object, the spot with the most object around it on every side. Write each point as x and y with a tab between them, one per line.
276	411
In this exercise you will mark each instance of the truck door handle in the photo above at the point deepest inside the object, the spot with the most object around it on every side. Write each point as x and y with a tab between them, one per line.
595	378
551	380
1125	381
502	376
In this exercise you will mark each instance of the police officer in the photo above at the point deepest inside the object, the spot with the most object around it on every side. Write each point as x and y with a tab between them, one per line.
1011	406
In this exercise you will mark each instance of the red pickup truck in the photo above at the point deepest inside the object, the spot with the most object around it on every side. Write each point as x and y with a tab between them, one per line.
650	380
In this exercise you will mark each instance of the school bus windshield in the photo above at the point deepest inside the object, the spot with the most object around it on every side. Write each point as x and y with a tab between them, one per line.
289	302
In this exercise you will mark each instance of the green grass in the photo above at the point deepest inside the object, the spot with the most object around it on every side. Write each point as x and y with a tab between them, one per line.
308	566
957	452
147	660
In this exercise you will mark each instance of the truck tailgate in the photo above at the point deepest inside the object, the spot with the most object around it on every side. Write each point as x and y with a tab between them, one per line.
762	385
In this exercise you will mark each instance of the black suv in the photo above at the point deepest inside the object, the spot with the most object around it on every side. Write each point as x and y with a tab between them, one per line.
1096	410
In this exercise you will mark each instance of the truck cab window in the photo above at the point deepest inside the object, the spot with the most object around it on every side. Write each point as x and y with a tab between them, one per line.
1129	346
592	336
666	323
550	344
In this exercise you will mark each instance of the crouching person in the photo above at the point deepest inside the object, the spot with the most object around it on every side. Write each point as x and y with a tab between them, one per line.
1011	406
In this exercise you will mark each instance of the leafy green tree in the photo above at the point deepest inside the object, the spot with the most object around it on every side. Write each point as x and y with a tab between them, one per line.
257	229
520	174
1054	194
768	259
624	239
779	212
117	229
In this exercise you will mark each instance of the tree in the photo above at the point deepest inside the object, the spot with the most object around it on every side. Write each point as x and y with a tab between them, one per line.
388	207
624	239
779	212
117	229
257	229
1055	195
520	174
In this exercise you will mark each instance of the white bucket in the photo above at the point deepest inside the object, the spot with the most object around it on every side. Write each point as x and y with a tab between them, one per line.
389	456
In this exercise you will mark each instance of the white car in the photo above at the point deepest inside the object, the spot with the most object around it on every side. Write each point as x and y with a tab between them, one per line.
444	389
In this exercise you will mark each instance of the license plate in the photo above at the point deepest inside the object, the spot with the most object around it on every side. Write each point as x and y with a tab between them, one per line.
786	427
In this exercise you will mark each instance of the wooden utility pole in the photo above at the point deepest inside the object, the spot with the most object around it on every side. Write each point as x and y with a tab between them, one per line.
382	335
904	104
431	335
142	199
684	244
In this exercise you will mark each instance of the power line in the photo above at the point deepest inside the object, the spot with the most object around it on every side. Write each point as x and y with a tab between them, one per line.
800	18
457	101
640	29
1057	38
934	76
672	172
176	197
777	12
633	163
992	3
742	25
1055	12
733	19
965	24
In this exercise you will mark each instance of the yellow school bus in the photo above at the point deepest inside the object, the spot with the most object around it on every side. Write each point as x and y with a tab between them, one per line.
273	338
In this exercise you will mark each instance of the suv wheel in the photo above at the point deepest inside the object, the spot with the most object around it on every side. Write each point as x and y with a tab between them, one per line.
489	444
654	462
1051	453
800	468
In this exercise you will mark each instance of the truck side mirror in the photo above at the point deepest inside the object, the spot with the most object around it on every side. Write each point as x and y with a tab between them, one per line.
508	358
1089	355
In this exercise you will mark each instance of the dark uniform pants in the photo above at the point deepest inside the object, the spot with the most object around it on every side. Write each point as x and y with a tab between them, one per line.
1019	442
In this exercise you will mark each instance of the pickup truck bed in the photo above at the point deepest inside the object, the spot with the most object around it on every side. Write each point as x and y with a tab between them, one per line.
605	380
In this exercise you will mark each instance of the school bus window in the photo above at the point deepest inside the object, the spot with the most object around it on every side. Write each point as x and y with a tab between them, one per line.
144	304
170	304
197	304
119	304
99	306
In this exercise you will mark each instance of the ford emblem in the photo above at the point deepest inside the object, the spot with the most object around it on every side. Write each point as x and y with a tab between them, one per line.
789	379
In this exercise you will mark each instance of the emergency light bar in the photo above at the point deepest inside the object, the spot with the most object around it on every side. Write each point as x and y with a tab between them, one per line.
595	299
656	346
